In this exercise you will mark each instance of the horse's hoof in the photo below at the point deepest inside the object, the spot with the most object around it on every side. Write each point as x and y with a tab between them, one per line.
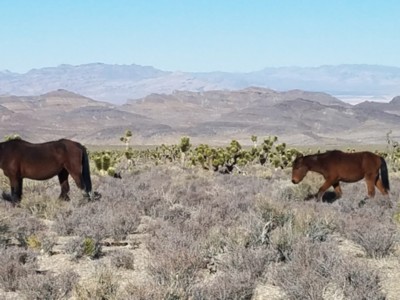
117	175
6	197
362	203
64	198
96	196
93	196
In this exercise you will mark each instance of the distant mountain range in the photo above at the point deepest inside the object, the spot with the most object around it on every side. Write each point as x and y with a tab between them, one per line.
118	83
215	117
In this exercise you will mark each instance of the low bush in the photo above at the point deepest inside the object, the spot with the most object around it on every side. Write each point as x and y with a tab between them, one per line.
42	206
49	286
100	220
315	268
15	264
123	259
79	247
237	273
373	229
102	285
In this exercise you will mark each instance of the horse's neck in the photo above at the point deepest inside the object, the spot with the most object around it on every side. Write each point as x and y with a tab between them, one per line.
315	163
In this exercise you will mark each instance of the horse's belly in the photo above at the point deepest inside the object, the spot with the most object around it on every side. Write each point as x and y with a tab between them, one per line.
351	178
38	176
39	172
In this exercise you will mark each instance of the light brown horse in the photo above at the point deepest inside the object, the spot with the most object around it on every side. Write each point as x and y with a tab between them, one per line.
20	159
336	166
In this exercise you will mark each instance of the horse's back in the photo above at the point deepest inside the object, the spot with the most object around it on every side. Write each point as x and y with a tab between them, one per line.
74	149
354	158
353	166
39	160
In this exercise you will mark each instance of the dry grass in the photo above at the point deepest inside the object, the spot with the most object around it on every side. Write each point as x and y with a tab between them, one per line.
166	232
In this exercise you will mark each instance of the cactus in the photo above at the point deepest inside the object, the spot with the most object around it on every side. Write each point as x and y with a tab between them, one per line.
105	162
13	136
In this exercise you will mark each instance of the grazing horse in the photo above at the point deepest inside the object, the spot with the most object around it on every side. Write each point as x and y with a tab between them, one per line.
20	159
338	166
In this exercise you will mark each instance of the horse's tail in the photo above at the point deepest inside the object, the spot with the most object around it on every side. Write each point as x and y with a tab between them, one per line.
87	182
384	175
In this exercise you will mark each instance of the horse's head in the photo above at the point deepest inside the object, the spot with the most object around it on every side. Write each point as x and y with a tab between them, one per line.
299	170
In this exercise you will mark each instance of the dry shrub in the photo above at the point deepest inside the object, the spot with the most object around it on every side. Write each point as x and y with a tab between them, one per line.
308	270
47	241
372	228
378	240
4	229
140	291
102	285
283	239
123	259
42	240
42	206
284	190
276	213
15	264
115	215
202	222
316	267
226	286
49	286
210	236
315	221
101	219
359	281
79	247
286	227
177	213
177	259
237	274
23	226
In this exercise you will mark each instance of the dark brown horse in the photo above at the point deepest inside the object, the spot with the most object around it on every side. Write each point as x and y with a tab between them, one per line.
338	166
20	159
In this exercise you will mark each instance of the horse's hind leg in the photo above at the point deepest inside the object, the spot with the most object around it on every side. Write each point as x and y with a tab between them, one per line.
63	179
370	180
78	180
380	187
75	170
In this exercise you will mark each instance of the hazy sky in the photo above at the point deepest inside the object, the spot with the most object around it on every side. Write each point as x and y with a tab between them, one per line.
199	35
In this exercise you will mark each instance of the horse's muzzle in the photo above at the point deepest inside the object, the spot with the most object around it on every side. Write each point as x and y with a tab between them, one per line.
294	181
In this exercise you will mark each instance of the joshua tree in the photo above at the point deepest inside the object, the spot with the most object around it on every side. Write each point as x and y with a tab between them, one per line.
184	147
126	138
254	140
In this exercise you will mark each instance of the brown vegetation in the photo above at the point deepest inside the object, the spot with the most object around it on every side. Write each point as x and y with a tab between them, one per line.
168	232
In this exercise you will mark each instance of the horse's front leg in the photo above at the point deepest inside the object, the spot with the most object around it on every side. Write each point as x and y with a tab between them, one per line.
16	189
63	179
338	190
323	189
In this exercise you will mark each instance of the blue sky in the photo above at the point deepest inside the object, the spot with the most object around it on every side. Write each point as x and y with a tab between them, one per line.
201	35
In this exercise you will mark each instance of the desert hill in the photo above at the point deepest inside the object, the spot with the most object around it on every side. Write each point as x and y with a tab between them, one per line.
297	117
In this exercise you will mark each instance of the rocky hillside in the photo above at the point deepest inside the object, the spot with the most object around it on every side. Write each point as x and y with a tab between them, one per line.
297	117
